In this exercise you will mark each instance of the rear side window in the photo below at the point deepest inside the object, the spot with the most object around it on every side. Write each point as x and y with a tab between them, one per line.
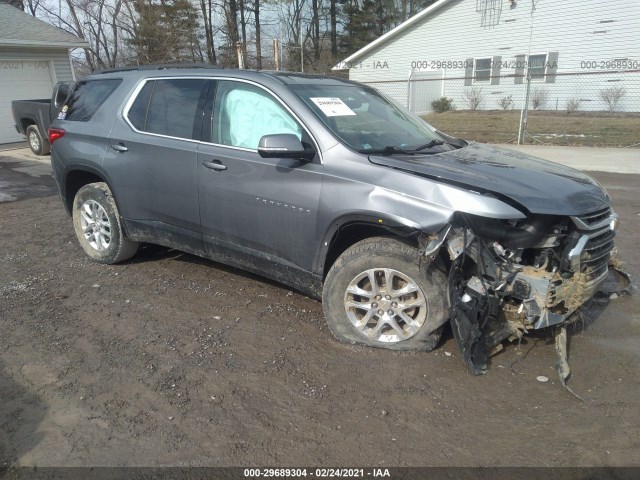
87	97
138	112
168	107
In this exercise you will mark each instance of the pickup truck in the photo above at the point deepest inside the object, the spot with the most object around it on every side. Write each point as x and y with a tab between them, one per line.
33	117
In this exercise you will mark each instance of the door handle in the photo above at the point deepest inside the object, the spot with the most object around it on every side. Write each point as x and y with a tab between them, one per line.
118	147
214	165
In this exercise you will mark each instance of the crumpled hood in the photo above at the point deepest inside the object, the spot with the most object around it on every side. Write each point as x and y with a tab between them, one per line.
538	185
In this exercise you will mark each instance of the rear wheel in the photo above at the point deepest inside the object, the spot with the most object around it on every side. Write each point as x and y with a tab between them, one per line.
37	144
378	294
97	224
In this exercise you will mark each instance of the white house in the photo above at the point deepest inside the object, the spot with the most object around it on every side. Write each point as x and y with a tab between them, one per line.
572	49
33	57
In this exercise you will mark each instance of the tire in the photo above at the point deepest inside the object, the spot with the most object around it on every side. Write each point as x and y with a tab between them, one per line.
357	312
97	224
37	144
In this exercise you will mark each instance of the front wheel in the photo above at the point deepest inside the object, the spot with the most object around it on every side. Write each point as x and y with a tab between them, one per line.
97	224
379	294
37	144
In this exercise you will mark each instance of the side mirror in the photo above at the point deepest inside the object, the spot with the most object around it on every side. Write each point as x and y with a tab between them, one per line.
284	145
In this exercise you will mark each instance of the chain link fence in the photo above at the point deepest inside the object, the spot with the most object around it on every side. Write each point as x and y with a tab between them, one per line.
592	108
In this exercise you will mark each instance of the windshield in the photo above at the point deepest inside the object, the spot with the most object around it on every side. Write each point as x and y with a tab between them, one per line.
365	120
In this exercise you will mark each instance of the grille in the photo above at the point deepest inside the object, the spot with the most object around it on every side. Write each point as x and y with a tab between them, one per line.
594	219
595	256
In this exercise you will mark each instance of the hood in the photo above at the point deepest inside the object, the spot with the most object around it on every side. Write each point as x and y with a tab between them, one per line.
540	186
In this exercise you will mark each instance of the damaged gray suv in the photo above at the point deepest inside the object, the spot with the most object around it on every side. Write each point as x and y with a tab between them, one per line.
331	188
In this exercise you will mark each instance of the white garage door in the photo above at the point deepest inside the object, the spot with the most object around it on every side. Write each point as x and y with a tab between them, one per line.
21	80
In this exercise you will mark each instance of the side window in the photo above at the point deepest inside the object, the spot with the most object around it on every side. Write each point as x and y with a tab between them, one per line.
86	98
137	114
172	108
243	113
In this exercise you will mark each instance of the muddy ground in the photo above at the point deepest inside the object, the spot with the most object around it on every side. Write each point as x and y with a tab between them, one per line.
173	360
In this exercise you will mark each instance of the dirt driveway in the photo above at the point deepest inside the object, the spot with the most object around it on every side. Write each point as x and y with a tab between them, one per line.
173	360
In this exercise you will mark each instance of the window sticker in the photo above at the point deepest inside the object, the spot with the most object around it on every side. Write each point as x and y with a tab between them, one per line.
332	106
63	113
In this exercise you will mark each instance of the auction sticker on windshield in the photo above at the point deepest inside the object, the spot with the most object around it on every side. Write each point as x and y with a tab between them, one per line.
332	107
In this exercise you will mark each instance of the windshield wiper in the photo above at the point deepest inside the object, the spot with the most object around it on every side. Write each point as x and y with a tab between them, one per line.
431	144
388	150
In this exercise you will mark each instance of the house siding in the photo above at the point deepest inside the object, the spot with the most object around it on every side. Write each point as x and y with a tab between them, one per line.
60	59
578	31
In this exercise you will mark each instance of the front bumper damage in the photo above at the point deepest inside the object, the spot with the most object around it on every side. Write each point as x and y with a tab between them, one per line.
534	276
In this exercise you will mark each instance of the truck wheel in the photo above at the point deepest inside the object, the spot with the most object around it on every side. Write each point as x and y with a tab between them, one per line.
378	294
37	144
97	224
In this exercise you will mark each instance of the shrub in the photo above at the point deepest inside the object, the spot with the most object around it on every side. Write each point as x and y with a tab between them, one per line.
573	104
443	104
506	102
539	97
474	97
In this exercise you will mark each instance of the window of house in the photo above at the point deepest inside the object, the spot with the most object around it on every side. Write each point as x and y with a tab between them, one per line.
537	66
482	70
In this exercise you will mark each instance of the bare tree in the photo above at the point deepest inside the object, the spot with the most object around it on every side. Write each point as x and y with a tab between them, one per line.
612	96
32	6
206	8
256	17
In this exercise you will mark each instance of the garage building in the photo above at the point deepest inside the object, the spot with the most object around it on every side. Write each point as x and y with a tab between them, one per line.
34	55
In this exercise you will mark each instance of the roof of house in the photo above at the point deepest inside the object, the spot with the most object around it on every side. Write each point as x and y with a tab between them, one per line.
345	64
20	29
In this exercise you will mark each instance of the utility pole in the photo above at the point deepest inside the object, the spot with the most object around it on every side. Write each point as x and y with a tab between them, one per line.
276	59
240	52
301	51
522	130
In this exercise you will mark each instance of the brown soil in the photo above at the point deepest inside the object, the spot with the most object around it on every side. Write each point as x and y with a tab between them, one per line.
173	360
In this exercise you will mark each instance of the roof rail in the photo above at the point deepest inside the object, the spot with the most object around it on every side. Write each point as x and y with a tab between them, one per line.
164	66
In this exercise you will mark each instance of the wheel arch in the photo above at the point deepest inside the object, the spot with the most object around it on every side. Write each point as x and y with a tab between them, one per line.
26	121
350	229
76	177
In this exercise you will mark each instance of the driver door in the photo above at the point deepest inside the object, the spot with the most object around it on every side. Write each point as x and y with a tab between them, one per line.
253	210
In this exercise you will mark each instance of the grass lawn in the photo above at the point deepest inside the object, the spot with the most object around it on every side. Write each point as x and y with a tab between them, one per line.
593	129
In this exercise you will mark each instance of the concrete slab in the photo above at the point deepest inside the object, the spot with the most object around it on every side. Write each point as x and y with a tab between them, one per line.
25	175
595	159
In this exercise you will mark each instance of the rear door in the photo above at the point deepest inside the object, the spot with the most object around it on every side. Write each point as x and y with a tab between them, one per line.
252	206
152	160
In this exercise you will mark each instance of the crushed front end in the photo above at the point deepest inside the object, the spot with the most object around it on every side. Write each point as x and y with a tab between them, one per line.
507	277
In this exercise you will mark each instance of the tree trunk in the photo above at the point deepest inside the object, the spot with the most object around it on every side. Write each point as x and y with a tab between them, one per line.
315	30
243	28
256	16
205	7
232	27
334	31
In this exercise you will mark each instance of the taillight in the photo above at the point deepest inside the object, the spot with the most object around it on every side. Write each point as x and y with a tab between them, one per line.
55	134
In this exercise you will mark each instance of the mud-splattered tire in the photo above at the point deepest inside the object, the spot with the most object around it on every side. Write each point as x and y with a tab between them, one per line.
378	294
37	144
97	225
